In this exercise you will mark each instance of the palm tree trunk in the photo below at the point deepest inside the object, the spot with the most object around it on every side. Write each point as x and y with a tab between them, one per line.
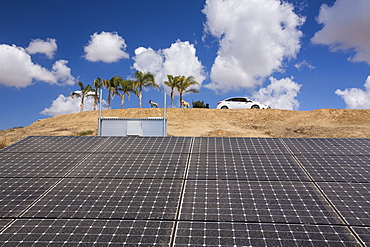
82	104
172	97
180	99
141	97
122	101
109	99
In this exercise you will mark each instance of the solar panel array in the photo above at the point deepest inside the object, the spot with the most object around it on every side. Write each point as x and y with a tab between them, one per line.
177	191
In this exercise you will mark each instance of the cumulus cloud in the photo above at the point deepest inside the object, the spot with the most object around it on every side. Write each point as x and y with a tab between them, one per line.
356	98
18	70
67	105
280	94
47	47
106	47
346	28
255	37
62	73
179	59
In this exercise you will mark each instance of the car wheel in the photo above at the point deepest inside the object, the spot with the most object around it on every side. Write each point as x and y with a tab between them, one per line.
255	107
224	107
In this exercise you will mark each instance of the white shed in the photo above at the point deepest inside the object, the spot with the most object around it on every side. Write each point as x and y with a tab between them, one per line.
154	126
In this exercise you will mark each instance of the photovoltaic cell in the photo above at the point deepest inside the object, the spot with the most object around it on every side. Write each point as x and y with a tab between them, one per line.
247	201
345	168
352	200
245	167
52	232
248	234
110	199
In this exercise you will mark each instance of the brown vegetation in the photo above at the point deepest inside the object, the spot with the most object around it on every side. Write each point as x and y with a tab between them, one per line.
323	123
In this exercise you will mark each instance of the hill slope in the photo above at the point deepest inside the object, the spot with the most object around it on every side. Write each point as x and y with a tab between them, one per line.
328	123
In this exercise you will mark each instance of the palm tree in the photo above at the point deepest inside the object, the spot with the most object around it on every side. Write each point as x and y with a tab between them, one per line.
184	84
143	80
111	85
125	86
97	84
85	90
172	83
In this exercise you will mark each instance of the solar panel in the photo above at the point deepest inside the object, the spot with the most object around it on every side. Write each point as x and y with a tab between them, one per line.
254	201
239	145
146	145
35	165
185	191
55	144
245	167
352	200
16	194
327	146
249	234
129	165
110	199
51	232
338	168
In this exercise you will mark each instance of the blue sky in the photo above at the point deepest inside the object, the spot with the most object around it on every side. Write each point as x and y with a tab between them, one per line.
293	54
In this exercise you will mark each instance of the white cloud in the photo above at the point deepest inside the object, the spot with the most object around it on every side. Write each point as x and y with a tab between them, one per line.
356	98
106	47
179	59
255	38
280	94
346	28
67	105
304	64
47	47
18	70
148	60
63	73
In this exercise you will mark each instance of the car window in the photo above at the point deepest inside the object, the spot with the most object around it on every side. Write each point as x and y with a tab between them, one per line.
242	100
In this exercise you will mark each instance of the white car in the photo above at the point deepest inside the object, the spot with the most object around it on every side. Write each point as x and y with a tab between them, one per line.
241	103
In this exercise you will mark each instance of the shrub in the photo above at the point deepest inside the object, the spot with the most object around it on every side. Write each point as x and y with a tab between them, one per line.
199	104
85	133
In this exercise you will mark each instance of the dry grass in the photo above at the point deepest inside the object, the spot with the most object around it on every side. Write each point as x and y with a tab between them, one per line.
323	123
3	142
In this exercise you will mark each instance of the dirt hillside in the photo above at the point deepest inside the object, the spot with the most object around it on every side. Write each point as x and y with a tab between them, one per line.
323	123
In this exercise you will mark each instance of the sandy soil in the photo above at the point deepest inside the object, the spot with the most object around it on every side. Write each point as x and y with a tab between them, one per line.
323	123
